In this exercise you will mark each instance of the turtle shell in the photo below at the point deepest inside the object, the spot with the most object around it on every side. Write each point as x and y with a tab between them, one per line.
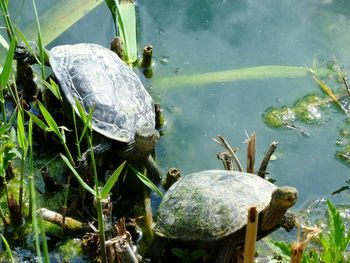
209	205
98	78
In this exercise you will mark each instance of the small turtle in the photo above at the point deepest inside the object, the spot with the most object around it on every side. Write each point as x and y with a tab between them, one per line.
123	109
211	207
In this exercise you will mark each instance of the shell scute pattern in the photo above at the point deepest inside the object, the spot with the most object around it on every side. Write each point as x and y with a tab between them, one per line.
209	205
98	78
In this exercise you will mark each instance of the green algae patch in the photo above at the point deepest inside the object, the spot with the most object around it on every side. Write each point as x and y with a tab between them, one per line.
277	117
308	109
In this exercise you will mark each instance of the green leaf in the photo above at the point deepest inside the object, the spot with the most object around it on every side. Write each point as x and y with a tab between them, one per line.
30	132
111	181
52	86
311	257
75	173
6	70
86	118
8	249
38	122
146	181
346	241
49	120
336	226
81	111
326	254
21	135
283	247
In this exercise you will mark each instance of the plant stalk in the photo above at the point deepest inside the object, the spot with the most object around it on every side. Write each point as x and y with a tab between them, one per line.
99	205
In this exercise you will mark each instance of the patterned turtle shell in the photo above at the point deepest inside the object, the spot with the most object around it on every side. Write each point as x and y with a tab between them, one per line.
98	78
210	205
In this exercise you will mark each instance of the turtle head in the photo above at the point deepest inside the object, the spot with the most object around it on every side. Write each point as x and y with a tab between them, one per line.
26	54
285	196
146	139
281	200
30	54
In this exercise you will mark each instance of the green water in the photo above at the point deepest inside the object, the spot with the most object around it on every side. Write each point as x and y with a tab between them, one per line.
200	36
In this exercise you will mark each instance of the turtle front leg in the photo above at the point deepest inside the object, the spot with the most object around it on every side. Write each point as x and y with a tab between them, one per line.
288	221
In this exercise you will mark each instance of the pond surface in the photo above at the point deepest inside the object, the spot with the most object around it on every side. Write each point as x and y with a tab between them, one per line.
206	36
199	36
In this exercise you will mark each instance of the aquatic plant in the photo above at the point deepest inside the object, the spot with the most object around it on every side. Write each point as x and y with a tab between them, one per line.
332	246
124	18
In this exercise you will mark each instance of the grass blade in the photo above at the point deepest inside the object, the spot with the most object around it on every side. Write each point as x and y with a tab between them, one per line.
52	86
7	19
81	111
8	249
112	180
75	173
6	70
38	122
49	120
146	181
21	135
40	41
32	191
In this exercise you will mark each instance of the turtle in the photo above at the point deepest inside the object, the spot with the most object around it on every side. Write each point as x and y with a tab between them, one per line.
210	207
123	110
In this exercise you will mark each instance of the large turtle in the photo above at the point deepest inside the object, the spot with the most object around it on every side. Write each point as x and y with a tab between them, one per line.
210	207
123	111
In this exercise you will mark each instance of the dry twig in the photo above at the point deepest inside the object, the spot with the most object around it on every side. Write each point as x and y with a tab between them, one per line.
265	161
225	144
251	153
